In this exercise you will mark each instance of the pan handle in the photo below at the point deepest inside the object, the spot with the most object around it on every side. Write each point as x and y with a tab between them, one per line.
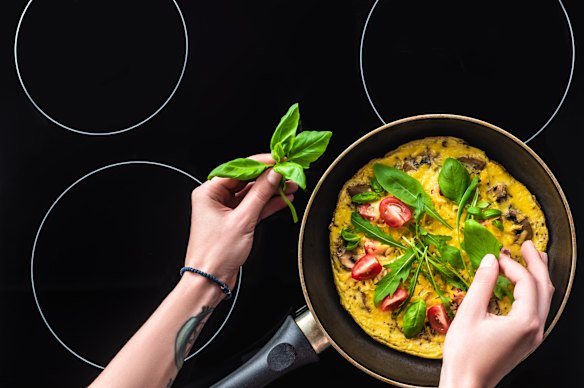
297	342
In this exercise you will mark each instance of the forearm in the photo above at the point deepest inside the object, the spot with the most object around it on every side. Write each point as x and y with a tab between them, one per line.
154	355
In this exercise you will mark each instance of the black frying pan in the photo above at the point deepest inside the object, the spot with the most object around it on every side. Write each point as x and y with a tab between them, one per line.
325	322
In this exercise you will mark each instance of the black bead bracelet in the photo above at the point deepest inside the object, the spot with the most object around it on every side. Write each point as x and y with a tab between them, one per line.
224	287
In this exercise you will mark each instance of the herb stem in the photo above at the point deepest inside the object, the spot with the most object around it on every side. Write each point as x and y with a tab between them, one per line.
290	205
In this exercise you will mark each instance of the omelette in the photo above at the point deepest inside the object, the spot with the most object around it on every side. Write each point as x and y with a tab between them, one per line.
409	230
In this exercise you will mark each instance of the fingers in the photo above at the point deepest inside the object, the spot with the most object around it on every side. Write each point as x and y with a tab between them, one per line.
525	291
477	298
260	193
537	265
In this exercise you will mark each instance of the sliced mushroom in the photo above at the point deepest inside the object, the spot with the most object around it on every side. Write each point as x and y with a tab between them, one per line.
358	189
414	162
525	233
347	261
364	300
499	191
472	162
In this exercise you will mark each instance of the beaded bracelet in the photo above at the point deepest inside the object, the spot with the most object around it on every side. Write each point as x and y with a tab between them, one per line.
224	287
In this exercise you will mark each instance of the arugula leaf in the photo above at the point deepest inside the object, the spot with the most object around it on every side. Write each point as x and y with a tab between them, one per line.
453	179
478	241
286	130
241	168
407	188
464	200
373	231
452	256
308	146
399	272
414	318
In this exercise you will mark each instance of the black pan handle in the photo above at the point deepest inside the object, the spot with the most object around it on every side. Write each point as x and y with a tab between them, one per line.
297	342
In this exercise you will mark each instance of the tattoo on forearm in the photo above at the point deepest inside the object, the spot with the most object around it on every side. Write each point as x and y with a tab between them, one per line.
187	335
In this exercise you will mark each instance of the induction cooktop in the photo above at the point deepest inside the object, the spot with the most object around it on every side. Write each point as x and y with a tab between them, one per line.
112	112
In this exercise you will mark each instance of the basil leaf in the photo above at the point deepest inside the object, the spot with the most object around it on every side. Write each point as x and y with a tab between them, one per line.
407	188
414	318
399	272
365	197
286	130
453	179
373	231
351	238
308	146
278	152
292	171
502	288
240	168
478	241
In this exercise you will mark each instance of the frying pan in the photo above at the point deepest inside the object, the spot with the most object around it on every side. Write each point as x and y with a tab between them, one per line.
323	322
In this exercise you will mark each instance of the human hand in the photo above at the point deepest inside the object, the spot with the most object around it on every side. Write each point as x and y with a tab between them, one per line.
481	348
224	215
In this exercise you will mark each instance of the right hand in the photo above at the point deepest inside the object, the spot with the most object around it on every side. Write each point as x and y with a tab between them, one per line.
481	348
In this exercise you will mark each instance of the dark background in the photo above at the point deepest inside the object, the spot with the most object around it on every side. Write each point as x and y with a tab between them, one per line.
247	63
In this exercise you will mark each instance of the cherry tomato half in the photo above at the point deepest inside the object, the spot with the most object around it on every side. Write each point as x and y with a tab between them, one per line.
366	267
390	303
368	211
438	318
394	212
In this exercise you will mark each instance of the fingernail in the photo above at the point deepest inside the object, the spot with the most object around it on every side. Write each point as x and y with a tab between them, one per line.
273	177
488	261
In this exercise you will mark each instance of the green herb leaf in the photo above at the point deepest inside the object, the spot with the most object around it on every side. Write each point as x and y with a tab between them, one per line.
503	288
351	238
373	231
292	171
375	186
478	241
414	318
399	270
241	168
453	179
452	256
407	188
497	224
464	200
491	213
365	197
278	152
286	130
308	146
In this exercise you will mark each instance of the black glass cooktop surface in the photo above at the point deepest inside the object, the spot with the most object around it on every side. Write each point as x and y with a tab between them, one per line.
112	112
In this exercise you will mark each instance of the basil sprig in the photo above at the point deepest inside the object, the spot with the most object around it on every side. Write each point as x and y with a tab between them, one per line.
293	153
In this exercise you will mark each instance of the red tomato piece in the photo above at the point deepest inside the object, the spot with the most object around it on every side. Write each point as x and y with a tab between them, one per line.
394	212
368	211
390	303
366	267
438	318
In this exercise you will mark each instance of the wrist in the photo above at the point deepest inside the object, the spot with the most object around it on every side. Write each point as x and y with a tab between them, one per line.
459	378
198	289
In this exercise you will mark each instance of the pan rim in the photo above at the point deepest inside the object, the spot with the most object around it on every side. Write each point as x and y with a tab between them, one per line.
422	117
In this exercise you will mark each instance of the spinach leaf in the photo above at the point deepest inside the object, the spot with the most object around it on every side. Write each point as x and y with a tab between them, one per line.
365	197
453	179
241	168
414	318
308	146
478	241
503	288
373	231
399	272
407	188
286	130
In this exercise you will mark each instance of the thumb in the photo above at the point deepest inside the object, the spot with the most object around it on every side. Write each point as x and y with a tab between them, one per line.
259	195
479	293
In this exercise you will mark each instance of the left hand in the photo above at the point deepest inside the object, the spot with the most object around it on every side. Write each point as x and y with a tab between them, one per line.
225	212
